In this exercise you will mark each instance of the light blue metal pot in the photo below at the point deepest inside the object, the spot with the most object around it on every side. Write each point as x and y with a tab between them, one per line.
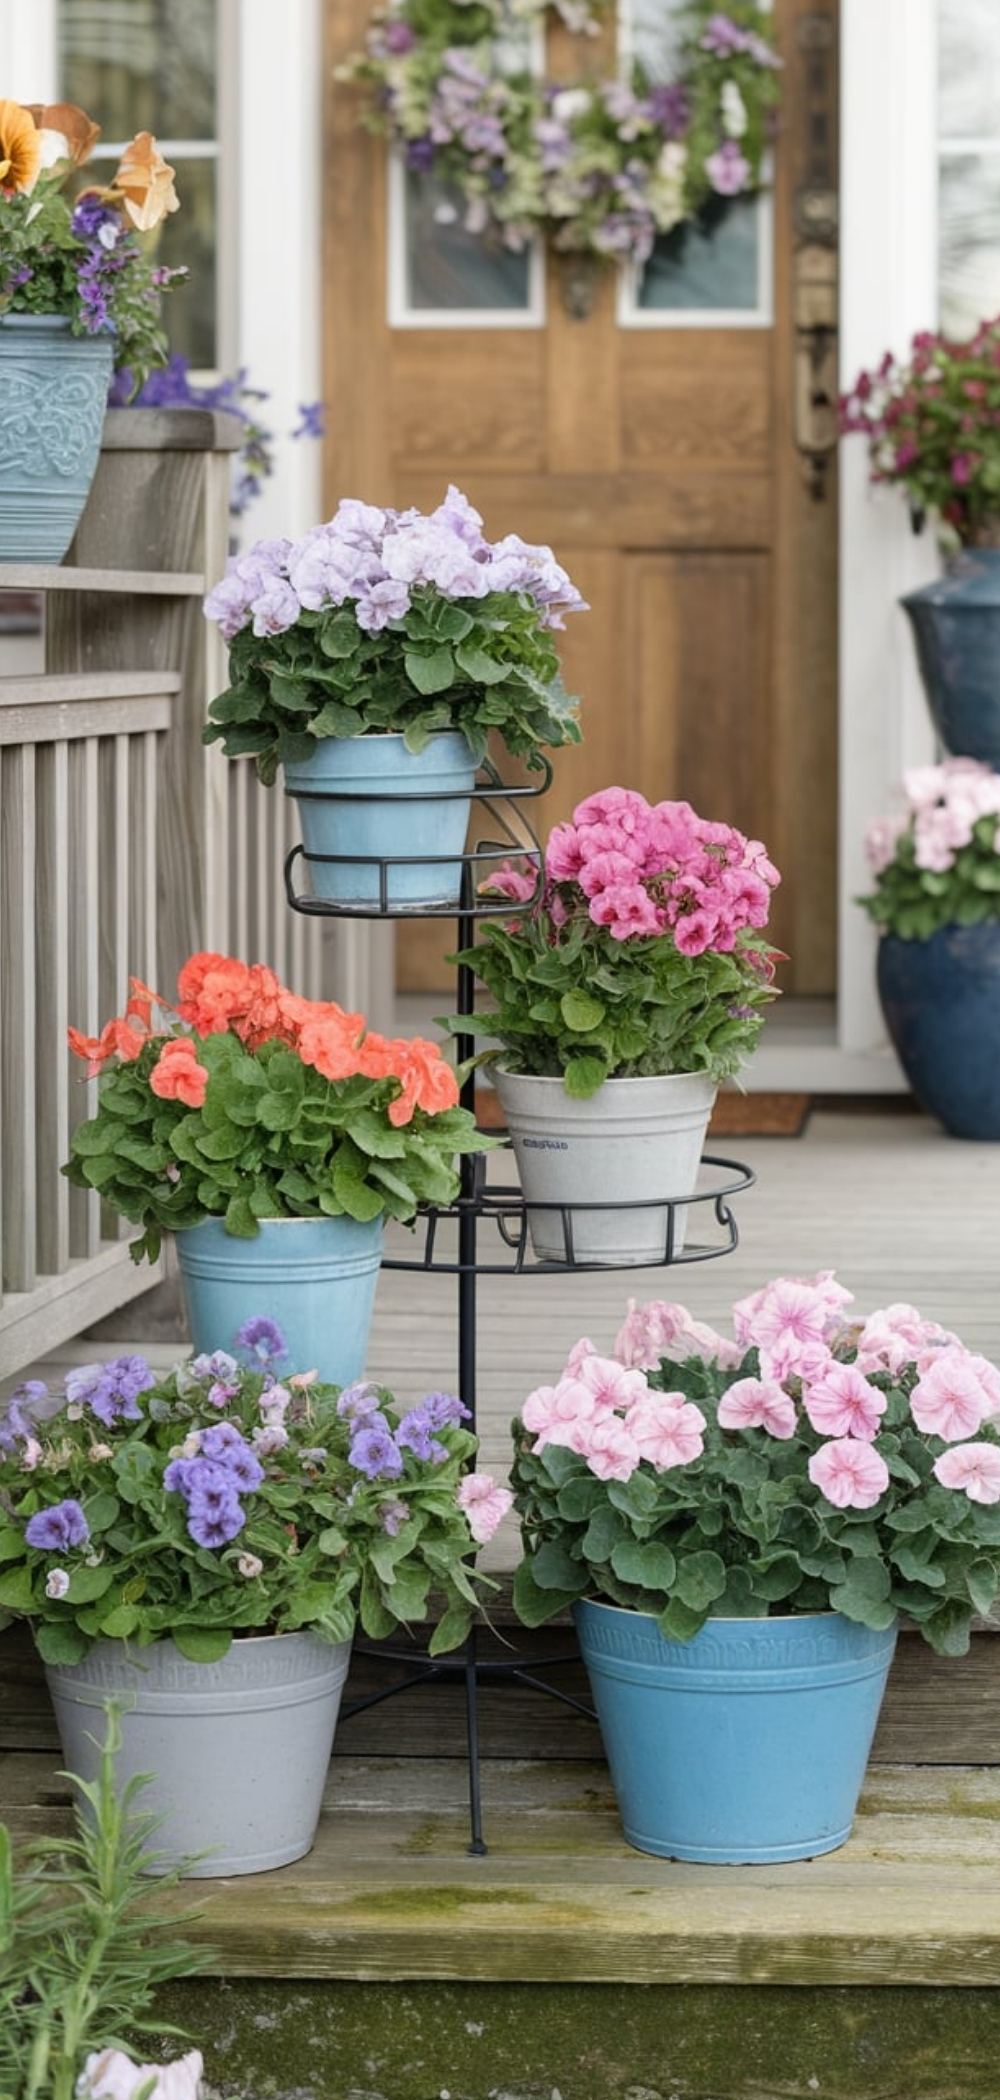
747	1743
315	1277
53	397
371	797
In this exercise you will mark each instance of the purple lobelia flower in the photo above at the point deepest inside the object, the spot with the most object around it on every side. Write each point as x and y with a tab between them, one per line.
111	1390
56	1528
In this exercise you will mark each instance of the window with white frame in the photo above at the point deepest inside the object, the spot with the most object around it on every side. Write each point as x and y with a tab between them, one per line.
153	65
717	272
968	164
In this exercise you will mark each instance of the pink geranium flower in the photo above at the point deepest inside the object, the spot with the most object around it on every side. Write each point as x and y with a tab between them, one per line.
843	1403
975	1468
850	1474
790	1321
757	1403
668	1430
609	1449
949	1400
895	1336
556	1414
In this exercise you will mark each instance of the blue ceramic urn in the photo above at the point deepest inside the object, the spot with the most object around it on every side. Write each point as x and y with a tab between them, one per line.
956	626
941	1001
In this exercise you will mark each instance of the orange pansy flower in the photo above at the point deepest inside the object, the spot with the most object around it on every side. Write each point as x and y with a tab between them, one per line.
145	182
20	147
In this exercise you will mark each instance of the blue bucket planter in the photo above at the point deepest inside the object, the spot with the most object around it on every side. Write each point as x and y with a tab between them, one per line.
315	1277
956	627
747	1743
371	797
53	397
941	1002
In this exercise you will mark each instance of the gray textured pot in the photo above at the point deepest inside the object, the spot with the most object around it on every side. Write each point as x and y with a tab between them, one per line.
237	1750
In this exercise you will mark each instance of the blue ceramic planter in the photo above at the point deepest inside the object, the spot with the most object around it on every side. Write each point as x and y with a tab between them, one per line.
747	1743
315	1276
370	796
941	1001
53	397
956	626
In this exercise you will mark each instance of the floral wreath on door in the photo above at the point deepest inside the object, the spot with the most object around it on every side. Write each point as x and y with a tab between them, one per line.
598	167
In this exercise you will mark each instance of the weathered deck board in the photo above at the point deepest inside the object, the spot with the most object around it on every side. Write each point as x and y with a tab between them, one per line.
390	1890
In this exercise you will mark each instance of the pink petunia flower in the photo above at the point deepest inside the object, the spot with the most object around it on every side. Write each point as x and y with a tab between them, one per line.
668	1430
757	1403
485	1504
790	1321
896	1336
949	1399
656	1330
975	1468
843	1403
850	1474
557	1414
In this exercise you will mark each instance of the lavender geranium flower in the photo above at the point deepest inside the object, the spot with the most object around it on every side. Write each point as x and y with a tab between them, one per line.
62	1525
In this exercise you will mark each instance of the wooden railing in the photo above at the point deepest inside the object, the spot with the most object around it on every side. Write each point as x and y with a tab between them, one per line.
127	845
79	764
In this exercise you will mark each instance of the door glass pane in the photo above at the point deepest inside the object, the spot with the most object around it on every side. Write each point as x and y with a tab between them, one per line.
150	65
712	270
449	269
968	241
968	69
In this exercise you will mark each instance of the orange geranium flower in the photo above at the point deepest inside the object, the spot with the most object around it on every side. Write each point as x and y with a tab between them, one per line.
20	147
122	1037
177	1075
425	1078
329	1038
145	183
214	992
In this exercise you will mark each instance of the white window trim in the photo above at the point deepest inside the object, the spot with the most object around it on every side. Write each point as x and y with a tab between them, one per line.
888	292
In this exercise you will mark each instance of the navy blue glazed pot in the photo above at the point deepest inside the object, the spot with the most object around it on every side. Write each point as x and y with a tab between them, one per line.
941	1001
956	626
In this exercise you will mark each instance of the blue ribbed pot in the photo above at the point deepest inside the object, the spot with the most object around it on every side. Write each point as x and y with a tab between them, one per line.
53	397
747	1743
370	796
315	1276
956	626
941	1001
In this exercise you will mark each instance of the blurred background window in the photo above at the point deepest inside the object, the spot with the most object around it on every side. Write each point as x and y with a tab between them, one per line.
968	164
158	65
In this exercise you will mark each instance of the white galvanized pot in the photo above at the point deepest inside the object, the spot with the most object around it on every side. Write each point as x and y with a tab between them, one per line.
237	1750
634	1141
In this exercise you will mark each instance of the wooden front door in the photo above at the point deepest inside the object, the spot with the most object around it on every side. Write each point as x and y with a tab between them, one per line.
661	463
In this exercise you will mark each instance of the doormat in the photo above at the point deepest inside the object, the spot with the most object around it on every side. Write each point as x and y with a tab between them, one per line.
760	1115
734	1115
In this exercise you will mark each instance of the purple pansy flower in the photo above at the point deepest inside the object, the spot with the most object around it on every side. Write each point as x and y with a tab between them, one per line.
111	1390
261	1338
374	1451
54	1529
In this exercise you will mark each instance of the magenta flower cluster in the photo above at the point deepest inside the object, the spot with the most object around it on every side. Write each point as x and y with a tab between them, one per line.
376	560
812	1369
642	869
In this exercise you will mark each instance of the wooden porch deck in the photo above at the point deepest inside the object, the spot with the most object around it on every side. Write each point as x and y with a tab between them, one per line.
392	1965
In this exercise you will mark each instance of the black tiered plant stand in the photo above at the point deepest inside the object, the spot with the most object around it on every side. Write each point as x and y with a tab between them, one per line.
451	1234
